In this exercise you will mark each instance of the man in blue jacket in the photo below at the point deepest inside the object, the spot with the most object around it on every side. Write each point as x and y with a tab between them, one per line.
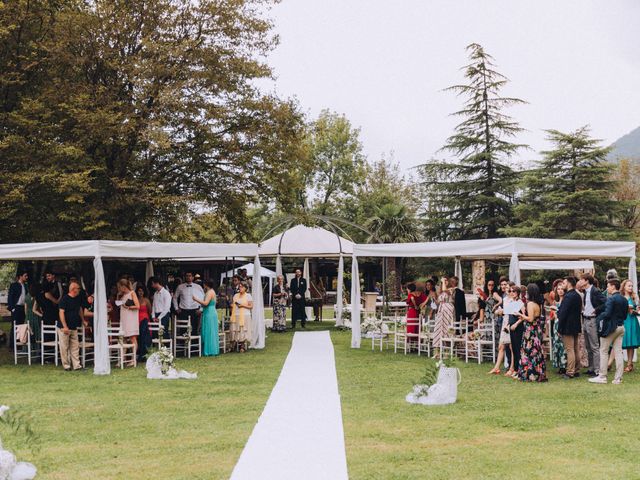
611	331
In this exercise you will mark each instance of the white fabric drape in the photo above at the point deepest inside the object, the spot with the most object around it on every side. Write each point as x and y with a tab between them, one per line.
148	271
339	300
458	273
257	314
278	266
514	269
633	274
101	348
355	303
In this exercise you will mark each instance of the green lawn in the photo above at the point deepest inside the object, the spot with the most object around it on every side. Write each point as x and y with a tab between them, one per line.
124	426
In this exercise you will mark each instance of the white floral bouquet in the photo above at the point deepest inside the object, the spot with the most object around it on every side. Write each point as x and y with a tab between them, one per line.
371	325
10	468
165	357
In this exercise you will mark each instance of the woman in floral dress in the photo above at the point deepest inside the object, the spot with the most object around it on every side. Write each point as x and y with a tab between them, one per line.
558	353
280	296
444	316
532	367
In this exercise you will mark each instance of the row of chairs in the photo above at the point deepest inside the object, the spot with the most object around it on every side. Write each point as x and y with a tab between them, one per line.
458	341
47	346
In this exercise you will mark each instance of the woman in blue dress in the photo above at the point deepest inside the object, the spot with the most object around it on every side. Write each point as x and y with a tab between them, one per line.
631	338
209	327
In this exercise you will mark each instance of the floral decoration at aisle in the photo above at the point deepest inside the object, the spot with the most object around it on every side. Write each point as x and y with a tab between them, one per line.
161	366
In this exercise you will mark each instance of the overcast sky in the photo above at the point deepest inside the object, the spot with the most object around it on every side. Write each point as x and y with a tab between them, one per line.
384	64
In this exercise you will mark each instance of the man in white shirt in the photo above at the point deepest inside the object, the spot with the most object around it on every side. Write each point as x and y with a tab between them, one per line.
161	305
593	303
184	304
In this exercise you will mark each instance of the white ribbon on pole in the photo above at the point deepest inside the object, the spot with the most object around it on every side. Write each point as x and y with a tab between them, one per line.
339	299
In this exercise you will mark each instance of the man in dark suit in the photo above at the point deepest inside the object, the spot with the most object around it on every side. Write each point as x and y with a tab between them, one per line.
570	325
15	301
612	318
459	300
593	305
298	288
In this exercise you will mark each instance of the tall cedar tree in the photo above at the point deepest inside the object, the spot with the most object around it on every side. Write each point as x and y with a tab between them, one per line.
569	194
472	197
119	119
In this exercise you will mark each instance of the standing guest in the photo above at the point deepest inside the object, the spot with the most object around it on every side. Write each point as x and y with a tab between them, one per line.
516	328
15	301
235	284
71	311
631	338
415	300
210	337
569	326
611	331
532	367
129	306
33	313
445	315
161	305
184	304
50	278
558	353
593	305
298	288
432	300
317	296
460	302
144	316
504	342
241	319
112	309
280	296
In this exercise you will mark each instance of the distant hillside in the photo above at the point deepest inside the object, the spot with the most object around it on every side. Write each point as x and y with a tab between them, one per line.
626	147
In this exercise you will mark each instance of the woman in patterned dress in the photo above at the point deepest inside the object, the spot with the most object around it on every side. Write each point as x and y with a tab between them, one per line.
280	296
558	353
532	367
444	316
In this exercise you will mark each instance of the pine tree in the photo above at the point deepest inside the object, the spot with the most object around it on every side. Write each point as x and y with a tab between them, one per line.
569	194
472	197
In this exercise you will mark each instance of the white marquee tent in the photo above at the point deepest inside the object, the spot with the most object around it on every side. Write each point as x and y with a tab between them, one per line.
515	249
99	250
304	242
249	267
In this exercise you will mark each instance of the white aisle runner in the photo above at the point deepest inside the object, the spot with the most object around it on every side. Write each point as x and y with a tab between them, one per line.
299	434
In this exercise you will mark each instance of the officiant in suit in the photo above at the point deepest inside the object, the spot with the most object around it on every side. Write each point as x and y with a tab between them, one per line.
297	289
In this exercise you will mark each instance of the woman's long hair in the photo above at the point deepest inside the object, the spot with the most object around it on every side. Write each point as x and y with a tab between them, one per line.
533	294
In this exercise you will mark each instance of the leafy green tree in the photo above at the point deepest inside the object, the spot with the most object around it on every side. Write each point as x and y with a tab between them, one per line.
568	195
336	164
121	119
472	196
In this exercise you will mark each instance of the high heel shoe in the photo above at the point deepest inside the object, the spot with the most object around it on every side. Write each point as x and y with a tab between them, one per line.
629	368
495	371
509	373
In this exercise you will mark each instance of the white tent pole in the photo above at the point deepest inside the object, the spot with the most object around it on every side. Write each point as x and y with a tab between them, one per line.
458	273
278	265
340	287
514	269
257	315
148	271
633	274
101	352
355	303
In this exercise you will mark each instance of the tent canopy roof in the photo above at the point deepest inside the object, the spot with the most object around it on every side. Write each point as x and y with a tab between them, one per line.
532	248
556	265
303	241
124	249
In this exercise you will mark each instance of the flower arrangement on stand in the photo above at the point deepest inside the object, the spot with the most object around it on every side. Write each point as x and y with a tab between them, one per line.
161	366
10	468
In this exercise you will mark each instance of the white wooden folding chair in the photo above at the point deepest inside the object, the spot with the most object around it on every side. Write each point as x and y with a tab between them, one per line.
455	339
483	346
156	341
387	332
425	337
17	343
405	340
184	340
119	350
86	348
48	341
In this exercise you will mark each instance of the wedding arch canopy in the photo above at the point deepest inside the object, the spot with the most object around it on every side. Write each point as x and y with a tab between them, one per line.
515	249
99	250
250	267
304	242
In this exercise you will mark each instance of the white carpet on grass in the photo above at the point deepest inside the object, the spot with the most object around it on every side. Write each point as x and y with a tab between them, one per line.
299	434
